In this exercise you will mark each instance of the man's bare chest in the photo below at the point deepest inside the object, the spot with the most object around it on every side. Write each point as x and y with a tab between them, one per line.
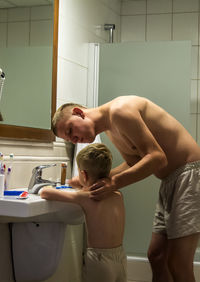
126	147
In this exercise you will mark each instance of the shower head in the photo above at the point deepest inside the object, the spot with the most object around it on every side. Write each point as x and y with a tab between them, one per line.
110	27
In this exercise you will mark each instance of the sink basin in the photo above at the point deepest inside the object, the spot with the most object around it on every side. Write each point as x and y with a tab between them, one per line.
35	209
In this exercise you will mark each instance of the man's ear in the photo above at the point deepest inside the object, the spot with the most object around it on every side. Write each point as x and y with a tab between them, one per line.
78	112
84	175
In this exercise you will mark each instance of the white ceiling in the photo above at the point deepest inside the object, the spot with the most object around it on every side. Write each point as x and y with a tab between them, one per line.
23	3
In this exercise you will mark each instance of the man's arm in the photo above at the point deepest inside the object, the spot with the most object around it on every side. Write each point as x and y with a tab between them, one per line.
151	157
119	169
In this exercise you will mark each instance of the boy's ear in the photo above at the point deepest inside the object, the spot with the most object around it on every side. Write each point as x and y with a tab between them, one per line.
78	112
84	175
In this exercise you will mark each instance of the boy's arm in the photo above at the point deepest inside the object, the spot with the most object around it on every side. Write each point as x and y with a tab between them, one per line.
76	197
74	182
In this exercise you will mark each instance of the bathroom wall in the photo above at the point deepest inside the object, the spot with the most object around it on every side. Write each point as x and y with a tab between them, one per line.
80	22
160	20
164	20
26	26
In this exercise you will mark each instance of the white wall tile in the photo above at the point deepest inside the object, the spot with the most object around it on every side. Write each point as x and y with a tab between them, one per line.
198	63
21	31
18	34
185	5
193	126
70	9
185	27
193	97
198	129
133	28
3	15
89	14
194	62
41	33
72	42
3	34
159	6
115	5
159	27
72	82
198	98
18	14
42	12
133	8
96	39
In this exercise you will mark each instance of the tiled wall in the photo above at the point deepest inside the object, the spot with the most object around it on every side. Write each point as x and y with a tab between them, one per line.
26	26
81	22
149	20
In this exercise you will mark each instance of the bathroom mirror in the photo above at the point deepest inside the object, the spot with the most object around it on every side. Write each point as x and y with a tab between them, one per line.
28	56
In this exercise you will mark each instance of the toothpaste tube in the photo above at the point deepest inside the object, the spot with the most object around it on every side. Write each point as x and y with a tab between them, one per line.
23	195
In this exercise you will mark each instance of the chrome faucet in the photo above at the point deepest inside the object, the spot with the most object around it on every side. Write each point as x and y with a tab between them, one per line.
37	182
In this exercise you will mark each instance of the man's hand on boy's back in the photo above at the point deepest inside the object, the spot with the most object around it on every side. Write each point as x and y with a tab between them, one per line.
101	189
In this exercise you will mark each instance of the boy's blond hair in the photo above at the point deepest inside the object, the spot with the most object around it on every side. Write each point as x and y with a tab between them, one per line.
96	160
61	112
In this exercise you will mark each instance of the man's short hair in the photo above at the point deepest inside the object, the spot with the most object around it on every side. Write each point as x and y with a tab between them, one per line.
60	113
96	160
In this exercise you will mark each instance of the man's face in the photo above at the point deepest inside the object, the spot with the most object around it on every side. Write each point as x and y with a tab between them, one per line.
76	129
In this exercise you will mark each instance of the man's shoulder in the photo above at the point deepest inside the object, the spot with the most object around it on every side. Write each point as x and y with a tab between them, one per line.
123	104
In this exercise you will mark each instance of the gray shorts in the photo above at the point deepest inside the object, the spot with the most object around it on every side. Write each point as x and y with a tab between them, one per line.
178	209
105	265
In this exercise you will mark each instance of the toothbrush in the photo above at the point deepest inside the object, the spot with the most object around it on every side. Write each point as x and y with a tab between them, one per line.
1	159
7	178
8	174
2	79
2	168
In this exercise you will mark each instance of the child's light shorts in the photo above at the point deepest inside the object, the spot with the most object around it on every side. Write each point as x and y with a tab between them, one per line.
105	265
178	209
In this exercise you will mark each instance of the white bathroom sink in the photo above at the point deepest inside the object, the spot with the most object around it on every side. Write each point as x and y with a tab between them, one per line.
35	209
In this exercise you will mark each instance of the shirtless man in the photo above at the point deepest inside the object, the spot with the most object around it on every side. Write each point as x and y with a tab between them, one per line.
105	259
151	141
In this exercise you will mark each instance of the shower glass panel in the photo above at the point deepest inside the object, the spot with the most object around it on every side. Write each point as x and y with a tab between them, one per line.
159	71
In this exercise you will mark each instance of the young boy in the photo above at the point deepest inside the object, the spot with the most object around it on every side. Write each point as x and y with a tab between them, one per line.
105	259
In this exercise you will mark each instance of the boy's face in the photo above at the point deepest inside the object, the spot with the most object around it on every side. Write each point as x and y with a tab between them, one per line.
76	129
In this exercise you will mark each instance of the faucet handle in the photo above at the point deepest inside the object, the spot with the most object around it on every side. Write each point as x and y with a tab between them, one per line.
37	175
40	167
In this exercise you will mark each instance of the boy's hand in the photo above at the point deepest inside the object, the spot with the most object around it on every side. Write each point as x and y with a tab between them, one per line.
101	189
74	182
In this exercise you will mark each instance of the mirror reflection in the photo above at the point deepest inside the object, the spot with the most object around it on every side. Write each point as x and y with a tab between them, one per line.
26	58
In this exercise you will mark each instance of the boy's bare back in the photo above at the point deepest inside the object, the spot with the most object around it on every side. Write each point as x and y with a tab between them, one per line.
104	219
